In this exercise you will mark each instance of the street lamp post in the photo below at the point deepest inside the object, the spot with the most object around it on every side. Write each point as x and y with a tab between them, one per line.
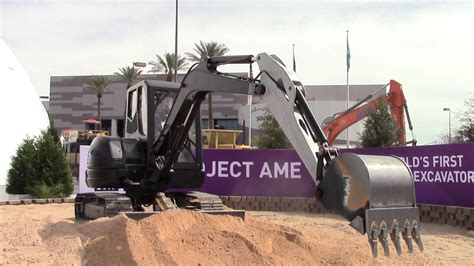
176	44
449	111
139	64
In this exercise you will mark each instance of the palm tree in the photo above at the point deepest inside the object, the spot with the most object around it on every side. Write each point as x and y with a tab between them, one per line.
205	50
166	65
128	74
98	84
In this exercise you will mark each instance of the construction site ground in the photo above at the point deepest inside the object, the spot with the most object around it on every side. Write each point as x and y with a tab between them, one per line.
49	234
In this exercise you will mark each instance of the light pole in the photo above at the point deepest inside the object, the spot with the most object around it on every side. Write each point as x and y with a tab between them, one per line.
449	111
176	45
139	64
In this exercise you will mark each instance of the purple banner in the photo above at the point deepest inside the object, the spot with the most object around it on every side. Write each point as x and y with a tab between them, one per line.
270	173
444	174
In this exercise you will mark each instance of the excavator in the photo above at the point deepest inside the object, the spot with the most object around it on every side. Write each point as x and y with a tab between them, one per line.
334	125
159	161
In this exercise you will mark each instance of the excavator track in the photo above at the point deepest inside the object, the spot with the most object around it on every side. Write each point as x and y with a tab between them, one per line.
207	203
96	205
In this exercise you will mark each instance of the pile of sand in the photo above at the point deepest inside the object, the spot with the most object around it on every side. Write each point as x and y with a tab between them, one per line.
49	235
179	237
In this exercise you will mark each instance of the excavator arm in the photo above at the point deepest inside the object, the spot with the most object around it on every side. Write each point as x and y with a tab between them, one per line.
395	98
375	193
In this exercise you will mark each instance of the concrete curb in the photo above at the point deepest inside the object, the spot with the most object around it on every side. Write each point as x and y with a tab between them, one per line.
36	201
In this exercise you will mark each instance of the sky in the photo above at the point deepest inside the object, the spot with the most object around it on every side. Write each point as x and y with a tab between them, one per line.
425	45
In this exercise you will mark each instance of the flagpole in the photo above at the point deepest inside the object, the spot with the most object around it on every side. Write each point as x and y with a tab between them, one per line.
249	102
294	60
348	56
250	120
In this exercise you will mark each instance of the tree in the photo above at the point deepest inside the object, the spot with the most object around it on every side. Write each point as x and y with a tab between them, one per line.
272	136
379	129
205	50
465	133
98	84
53	131
128	74
22	170
166	65
40	168
443	138
53	174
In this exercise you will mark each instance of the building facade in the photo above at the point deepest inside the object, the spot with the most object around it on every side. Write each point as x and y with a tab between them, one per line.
70	103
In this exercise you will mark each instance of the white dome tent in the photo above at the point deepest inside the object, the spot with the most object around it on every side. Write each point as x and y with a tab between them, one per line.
22	113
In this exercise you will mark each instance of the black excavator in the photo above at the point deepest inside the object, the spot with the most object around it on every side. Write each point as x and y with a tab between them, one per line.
159	162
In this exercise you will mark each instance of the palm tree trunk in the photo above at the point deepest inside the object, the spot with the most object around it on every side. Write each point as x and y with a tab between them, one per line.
98	112
211	118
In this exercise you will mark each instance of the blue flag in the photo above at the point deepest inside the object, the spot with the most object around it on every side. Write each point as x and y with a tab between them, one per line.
348	55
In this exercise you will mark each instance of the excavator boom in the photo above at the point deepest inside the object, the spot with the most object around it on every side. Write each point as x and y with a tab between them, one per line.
375	193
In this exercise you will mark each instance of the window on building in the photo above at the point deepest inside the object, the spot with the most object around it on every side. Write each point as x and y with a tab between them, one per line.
232	124
228	123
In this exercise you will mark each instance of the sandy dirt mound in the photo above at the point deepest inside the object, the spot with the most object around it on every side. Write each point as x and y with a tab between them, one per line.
186	237
181	237
49	235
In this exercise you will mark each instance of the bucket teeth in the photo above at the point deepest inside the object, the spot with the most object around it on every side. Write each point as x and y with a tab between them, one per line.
407	236
417	236
381	232
395	236
398	223
373	239
383	238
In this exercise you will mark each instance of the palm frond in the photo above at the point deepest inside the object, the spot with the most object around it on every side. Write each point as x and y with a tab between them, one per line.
207	49
98	84
166	64
129	74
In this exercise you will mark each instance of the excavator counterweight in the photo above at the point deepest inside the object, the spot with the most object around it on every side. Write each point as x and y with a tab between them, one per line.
161	155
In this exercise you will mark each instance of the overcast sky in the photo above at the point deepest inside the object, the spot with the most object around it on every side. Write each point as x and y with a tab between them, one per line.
427	46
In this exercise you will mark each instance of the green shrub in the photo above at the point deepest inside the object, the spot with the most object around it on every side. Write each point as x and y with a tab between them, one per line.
52	167
40	168
22	169
379	129
272	136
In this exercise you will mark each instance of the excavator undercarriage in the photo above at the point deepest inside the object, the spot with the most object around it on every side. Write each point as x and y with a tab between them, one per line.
159	162
96	205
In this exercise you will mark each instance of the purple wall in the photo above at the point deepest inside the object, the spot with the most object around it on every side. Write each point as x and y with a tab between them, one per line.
444	174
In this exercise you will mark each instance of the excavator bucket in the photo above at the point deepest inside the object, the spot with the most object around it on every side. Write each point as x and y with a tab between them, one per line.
375	193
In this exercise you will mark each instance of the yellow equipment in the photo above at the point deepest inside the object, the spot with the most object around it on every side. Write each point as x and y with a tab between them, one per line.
221	139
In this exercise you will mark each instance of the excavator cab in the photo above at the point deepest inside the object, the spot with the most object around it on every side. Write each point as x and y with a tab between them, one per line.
148	106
